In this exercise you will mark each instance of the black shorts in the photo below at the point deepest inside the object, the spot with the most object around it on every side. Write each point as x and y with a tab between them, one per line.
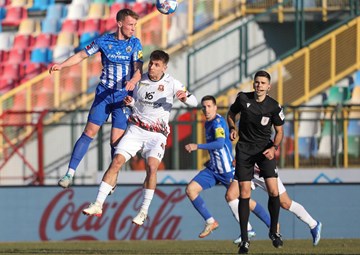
245	162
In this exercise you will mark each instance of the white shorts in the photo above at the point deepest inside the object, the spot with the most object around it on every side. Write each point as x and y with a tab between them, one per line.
151	144
260	182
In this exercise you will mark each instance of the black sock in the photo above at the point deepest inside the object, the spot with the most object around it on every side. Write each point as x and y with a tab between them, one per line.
274	210
244	212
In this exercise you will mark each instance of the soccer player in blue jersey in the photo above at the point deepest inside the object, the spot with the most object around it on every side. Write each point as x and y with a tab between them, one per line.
219	168
121	57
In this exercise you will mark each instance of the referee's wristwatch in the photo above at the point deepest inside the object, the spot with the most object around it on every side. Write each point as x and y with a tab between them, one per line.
276	147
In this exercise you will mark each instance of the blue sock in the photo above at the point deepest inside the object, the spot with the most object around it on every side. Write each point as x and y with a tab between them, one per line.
200	206
261	213
80	148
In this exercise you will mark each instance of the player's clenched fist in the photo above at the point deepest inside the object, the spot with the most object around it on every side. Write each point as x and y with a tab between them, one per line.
55	67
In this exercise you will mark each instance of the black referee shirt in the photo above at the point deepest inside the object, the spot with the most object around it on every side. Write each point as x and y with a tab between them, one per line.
257	118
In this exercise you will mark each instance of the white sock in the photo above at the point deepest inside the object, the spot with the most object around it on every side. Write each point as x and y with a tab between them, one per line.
249	227
302	214
148	196
103	192
71	172
210	220
234	208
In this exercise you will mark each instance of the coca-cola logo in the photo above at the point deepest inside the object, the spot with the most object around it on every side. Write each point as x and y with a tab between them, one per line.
62	219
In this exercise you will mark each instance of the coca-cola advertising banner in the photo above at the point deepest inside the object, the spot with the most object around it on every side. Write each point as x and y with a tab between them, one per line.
51	213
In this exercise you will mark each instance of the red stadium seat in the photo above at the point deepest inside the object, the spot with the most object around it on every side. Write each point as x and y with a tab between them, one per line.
93	25
22	41
4	54
14	15
115	7
45	41
18	55
71	26
30	70
6	84
12	71
110	24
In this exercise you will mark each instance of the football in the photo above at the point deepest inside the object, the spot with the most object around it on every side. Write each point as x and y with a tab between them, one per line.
166	6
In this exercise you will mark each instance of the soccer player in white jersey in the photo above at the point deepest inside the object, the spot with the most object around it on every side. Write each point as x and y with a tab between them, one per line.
121	57
285	202
147	132
218	169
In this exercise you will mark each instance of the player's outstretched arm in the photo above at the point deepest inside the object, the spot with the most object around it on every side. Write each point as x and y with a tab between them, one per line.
73	60
187	98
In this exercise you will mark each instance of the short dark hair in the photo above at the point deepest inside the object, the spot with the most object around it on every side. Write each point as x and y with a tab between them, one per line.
123	13
160	55
207	98
262	73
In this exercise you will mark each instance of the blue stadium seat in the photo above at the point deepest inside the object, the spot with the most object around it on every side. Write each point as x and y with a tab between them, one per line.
354	127
307	147
41	55
85	39
40	5
2	12
56	11
50	26
357	78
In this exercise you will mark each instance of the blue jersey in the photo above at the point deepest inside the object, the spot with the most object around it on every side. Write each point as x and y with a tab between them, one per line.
220	159
117	58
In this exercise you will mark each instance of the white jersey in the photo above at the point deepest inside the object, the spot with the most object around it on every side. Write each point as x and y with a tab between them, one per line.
153	103
258	181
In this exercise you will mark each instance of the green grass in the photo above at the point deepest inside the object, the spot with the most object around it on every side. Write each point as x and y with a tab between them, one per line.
326	246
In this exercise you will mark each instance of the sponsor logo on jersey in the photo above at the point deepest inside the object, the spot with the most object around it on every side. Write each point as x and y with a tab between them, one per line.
110	46
140	54
219	133
161	88
128	49
265	120
248	105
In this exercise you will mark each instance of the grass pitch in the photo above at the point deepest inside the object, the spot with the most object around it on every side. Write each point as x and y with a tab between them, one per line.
326	246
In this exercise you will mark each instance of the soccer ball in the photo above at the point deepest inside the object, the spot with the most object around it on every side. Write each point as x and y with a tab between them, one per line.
166	6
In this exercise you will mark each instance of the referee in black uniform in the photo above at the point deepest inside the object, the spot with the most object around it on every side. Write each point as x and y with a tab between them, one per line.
258	114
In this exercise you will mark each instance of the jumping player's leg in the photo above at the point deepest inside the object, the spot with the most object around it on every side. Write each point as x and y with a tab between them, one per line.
128	147
80	148
98	114
153	151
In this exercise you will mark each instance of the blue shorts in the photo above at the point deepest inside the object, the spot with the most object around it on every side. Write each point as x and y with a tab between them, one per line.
108	101
208	178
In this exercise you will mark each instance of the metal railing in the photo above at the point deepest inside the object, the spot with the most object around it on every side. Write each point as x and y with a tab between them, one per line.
316	136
